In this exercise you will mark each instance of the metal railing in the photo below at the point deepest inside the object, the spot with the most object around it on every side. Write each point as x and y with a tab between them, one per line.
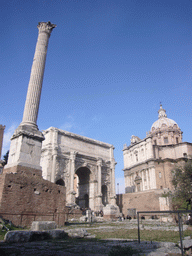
179	212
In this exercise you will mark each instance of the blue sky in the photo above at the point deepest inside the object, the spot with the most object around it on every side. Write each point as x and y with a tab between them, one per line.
109	65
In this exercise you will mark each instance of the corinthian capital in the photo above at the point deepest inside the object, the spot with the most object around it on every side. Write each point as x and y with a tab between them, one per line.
99	161
73	155
113	163
46	27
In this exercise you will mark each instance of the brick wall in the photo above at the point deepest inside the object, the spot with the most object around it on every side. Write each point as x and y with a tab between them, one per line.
28	198
142	201
24	170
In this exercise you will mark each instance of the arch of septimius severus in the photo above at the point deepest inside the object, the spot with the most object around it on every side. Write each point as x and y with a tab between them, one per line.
85	166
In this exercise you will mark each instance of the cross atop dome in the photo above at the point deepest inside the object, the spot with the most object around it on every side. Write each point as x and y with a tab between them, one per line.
162	112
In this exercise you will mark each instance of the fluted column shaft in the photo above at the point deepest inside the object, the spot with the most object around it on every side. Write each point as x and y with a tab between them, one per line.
36	78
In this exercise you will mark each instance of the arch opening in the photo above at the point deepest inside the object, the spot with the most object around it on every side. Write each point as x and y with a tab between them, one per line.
82	187
104	195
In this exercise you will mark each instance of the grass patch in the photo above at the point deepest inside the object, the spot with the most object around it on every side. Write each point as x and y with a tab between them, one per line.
145	235
2	234
4	231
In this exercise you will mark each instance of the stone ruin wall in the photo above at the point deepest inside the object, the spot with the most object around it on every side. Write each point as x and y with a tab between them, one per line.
141	201
25	199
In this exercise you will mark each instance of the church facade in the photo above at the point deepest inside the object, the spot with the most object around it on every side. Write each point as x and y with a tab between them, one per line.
148	162
86	167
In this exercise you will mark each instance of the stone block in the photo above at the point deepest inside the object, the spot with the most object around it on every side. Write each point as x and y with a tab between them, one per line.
30	236
43	225
17	236
57	234
110	211
187	243
78	233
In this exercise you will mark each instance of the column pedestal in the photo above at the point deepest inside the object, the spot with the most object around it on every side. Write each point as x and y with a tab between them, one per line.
25	150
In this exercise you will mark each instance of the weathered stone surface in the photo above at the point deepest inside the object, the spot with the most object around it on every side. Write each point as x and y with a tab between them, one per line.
20	198
43	225
85	248
17	236
111	211
187	243
78	233
57	234
86	167
29	236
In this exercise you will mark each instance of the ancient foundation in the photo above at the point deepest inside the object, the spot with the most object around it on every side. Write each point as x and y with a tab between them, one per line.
26	198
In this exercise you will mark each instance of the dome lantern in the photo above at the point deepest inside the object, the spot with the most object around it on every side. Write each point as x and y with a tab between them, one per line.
165	130
162	112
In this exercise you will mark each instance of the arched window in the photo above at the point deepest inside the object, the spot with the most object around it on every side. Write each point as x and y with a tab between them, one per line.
104	195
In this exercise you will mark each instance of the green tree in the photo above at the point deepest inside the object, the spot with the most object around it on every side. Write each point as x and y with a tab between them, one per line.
5	158
182	182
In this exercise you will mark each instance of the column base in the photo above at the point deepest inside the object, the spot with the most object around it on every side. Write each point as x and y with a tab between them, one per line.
71	198
111	211
113	200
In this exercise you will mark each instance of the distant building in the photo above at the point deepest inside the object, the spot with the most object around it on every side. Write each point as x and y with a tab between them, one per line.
2	128
148	163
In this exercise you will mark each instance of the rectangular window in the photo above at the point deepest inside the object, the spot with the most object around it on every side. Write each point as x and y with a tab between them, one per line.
165	140
160	175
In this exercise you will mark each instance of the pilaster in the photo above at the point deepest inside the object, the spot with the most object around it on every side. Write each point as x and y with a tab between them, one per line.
113	194
99	194
54	154
71	177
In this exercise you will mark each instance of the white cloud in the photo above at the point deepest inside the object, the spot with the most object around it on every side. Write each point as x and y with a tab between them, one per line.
69	124
66	126
6	138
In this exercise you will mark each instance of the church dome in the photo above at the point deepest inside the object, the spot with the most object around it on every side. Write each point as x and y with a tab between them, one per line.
163	121
165	131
